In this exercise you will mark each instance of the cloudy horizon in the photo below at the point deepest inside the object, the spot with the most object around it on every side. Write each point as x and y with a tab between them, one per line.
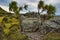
32	4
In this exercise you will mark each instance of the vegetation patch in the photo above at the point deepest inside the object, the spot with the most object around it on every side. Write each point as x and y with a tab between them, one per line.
52	36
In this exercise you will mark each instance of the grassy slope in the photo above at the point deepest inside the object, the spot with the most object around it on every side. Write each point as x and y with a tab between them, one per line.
12	21
52	36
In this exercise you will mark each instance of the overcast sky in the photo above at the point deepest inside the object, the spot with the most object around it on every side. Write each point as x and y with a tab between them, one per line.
32	4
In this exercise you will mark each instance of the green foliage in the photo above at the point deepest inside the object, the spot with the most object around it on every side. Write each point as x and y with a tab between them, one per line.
10	30
20	8
25	6
8	23
13	6
49	8
41	4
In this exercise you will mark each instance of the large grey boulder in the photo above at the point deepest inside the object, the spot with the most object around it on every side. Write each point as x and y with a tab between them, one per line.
51	25
31	24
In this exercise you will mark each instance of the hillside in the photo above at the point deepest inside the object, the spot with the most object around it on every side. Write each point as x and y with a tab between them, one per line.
9	27
9	24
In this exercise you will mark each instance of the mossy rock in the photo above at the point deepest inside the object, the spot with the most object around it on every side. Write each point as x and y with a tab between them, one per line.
17	36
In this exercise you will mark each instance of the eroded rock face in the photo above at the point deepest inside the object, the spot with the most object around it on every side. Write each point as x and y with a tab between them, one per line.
31	25
51	25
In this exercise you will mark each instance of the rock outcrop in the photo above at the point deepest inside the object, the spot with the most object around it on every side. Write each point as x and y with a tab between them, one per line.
35	31
32	25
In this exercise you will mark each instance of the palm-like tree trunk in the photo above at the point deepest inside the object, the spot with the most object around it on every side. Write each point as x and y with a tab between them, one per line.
20	22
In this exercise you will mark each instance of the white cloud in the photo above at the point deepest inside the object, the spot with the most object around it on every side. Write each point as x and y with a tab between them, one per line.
6	8
52	1
13	0
32	3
